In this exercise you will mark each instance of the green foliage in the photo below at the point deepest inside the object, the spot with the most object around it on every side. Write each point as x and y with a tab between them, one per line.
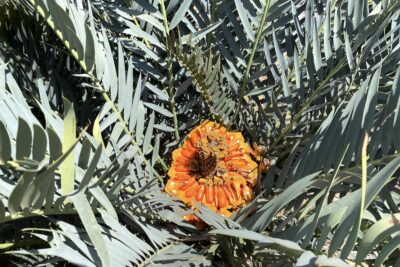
95	96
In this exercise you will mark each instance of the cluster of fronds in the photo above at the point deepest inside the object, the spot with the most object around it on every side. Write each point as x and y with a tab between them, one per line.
95	95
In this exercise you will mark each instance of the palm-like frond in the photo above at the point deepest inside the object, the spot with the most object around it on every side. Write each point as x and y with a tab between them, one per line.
317	82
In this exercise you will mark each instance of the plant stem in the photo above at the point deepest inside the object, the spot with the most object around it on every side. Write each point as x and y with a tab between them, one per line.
170	72
165	19
22	244
37	213
175	117
253	52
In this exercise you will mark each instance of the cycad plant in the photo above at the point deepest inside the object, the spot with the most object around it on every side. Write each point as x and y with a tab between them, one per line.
118	119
